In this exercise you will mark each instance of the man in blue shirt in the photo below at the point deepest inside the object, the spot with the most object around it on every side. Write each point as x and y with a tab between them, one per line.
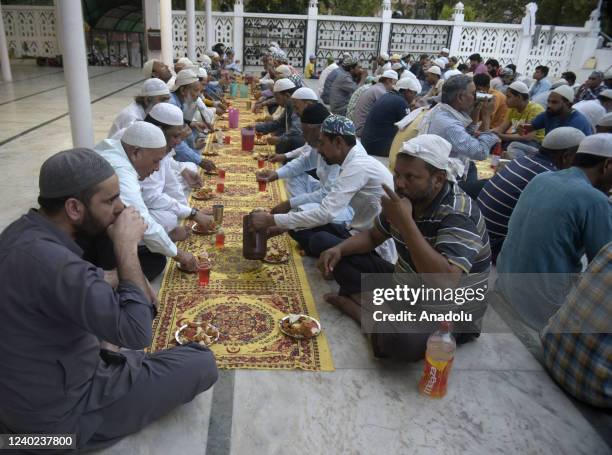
558	113
559	217
541	84
380	129
500	193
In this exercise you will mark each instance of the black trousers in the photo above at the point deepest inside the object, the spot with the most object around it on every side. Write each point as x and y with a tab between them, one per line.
316	240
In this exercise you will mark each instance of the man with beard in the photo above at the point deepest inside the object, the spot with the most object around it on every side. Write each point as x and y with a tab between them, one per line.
135	157
157	69
436	230
185	95
358	185
350	76
559	217
592	87
57	308
153	91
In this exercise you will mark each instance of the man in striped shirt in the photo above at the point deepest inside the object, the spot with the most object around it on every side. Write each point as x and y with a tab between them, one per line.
500	194
437	229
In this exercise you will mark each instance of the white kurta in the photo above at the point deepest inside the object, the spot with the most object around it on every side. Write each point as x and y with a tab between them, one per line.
133	112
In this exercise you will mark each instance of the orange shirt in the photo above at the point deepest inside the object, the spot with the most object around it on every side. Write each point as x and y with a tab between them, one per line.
501	109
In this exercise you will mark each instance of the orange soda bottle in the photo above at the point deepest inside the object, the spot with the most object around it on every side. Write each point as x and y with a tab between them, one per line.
441	347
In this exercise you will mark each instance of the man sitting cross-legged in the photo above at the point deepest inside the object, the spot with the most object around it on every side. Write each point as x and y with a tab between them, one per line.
359	185
306	192
57	308
436	228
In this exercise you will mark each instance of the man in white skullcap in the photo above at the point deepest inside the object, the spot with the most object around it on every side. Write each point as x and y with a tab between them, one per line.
595	109
326	82
135	157
185	95
500	193
433	77
436	230
75	384
605	124
287	130
302	98
162	192
520	111
153	91
368	98
157	69
382	64
548	255
379	127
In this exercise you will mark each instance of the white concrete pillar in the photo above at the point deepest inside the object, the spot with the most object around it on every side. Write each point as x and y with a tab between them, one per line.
386	26
165	22
456	30
75	73
58	27
239	32
210	26
191	31
311	31
151	21
4	56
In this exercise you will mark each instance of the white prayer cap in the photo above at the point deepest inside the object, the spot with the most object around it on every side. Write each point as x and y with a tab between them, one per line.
440	62
564	137
597	144
305	93
184	61
451	73
443	59
283	84
520	87
445	50
384	56
390	74
397	66
154	87
435	150
434	70
566	92
215	54
407	74
559	83
202	74
206	60
168	114
144	135
185	77
408	84
607	93
283	70
147	68
606	120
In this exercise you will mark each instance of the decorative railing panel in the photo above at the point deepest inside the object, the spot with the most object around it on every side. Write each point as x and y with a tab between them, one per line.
30	32
360	39
501	44
223	32
259	32
553	51
419	39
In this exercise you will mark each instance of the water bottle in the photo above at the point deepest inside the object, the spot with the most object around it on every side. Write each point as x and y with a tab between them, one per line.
441	347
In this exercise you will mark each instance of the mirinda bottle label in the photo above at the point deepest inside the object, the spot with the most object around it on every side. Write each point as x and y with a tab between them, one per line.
435	378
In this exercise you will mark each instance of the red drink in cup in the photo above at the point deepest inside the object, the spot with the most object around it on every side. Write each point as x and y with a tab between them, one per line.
221	173
227	140
221	186
204	273
261	163
262	185
220	239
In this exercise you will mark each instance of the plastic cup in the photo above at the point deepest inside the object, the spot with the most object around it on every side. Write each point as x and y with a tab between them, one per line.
221	173
220	240
221	187
262	185
261	163
204	273
227	140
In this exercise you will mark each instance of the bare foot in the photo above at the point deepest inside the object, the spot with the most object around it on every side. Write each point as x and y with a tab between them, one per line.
345	304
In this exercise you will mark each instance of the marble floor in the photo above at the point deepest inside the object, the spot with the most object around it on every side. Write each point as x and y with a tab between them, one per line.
500	399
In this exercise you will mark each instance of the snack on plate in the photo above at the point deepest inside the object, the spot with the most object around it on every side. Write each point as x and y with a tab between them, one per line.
197	332
203	194
300	326
201	258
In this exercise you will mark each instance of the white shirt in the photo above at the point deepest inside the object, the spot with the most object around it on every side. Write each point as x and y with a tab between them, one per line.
591	109
133	112
163	191
296	153
326	72
155	237
359	184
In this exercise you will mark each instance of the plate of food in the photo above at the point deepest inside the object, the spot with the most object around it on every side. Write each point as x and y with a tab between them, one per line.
203	194
197	332
300	326
210	153
199	229
276	254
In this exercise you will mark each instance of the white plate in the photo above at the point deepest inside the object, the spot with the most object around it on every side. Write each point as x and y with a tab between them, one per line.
299	337
177	334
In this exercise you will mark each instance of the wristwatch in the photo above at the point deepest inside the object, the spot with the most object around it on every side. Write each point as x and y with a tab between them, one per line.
193	213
